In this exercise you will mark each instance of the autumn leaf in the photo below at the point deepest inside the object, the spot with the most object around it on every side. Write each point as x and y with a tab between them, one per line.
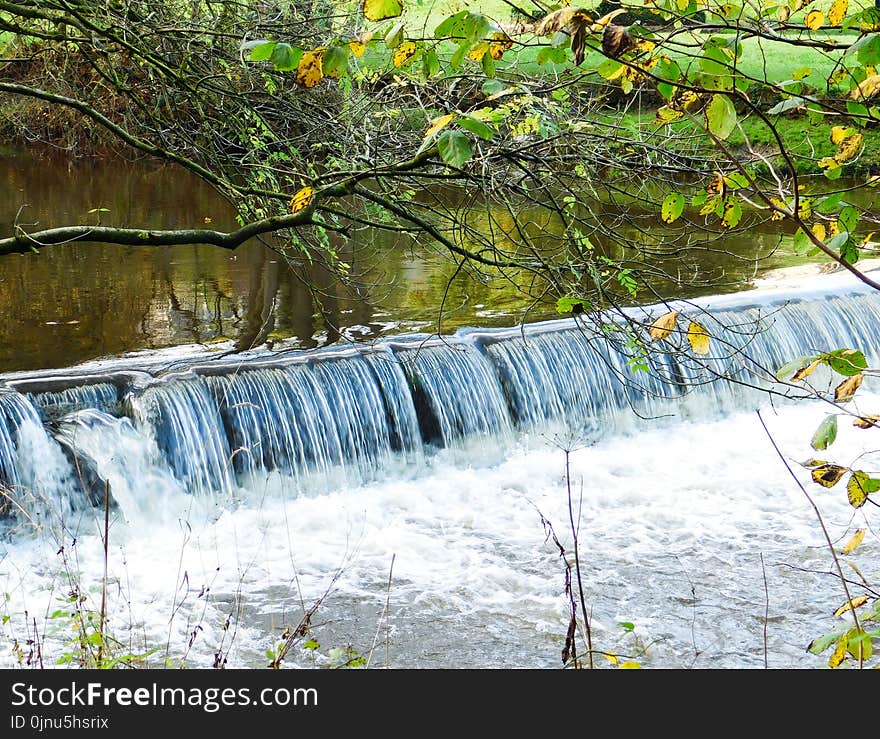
805	371
606	19
839	654
698	337
404	53
867	422
814	20
837	12
828	475
856	539
380	10
309	71
662	327
301	200
839	133
819	232
850	147
813	463
357	48
716	186
867	88
437	124
672	207
856	602
556	21
501	42
847	389
858	488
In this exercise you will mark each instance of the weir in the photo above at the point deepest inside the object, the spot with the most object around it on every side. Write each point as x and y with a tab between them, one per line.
209	425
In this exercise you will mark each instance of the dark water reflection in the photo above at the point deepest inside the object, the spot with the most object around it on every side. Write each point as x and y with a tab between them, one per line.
81	301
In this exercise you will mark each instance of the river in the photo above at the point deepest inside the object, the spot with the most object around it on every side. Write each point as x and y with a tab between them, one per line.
402	491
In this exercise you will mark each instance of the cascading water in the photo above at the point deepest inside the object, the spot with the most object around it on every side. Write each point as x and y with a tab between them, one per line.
208	442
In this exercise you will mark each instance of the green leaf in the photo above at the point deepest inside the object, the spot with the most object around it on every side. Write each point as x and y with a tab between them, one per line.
259	50
672	207
488	65
380	10
825	434
721	116
817	646
285	57
848	218
846	362
829	204
849	252
459	54
475	126
732	214
394	37
431	63
838	240
609	69
786	105
802	242
789	369
626	625
451	26
455	148
566	305
335	61
560	40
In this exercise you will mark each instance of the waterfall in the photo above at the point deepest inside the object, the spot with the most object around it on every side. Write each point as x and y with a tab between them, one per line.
212	427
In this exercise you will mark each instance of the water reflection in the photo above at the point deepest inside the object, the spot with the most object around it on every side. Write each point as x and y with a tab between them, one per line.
72	303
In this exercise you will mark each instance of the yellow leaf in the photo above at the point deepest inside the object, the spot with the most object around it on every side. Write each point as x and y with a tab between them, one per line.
855	491
780	209
846	389
403	53
301	200
612	658
827	162
819	231
357	48
439	123
805	371
716	186
853	542
501	43
839	133
833	229
828	475
479	51
814	20
605	20
856	602
665	114
867	88
866	422
783	13
837	657
662	327
379	10
309	71
850	147
698	338
630	665
837	12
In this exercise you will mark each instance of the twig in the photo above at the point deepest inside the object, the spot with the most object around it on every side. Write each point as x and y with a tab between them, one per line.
852	610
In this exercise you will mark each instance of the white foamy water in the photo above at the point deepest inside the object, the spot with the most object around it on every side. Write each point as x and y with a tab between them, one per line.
674	521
